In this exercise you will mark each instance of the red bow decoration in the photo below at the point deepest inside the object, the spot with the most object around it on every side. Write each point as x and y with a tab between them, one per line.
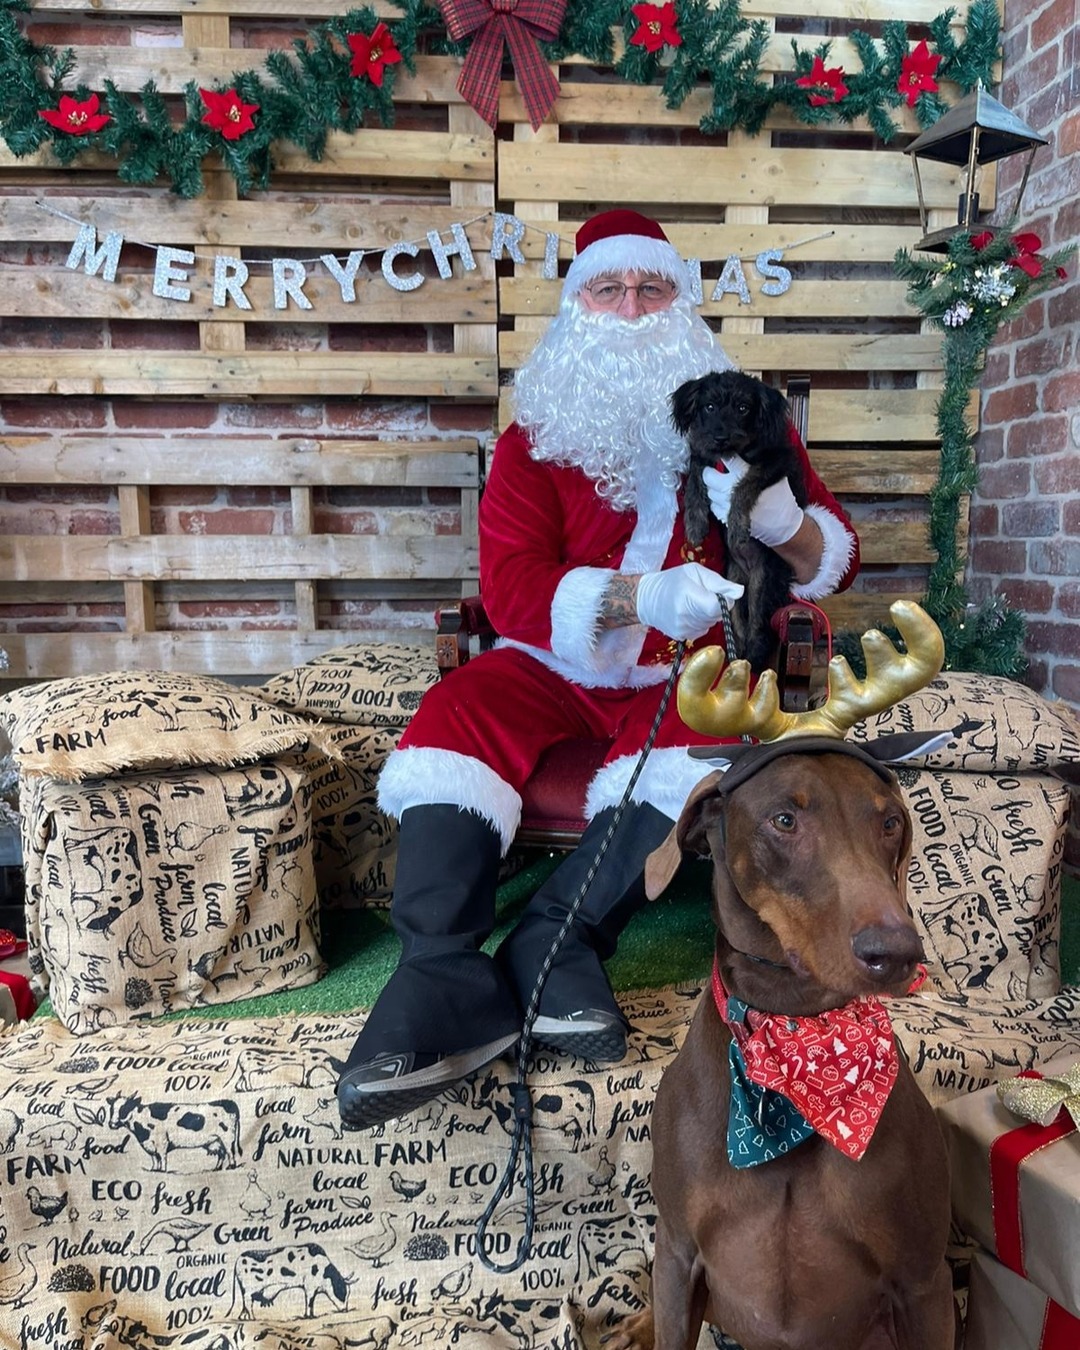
519	24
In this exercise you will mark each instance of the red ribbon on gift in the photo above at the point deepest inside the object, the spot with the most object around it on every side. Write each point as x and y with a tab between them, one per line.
498	24
1060	1330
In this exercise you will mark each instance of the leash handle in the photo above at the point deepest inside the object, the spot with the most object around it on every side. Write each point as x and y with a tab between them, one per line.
521	1141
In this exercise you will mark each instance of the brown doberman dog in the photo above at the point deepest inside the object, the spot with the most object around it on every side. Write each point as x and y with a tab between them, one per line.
813	1249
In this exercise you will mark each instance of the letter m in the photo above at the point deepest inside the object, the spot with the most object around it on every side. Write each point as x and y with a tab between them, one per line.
85	246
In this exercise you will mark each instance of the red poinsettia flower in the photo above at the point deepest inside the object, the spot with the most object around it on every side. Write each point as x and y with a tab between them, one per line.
828	83
371	55
917	73
657	27
1027	245
228	113
77	119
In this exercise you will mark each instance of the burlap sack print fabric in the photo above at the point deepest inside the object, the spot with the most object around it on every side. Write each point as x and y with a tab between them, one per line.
354	845
1019	731
191	1187
148	894
984	884
955	1048
97	725
378	685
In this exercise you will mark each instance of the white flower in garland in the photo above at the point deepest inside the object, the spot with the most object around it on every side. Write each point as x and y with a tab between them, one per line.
957	314
992	285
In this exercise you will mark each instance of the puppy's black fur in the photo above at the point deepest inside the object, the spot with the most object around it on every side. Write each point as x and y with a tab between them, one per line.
728	413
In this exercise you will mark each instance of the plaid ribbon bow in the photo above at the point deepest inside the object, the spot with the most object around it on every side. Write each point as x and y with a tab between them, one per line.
519	24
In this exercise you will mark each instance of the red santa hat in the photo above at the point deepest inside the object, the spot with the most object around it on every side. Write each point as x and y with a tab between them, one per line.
623	241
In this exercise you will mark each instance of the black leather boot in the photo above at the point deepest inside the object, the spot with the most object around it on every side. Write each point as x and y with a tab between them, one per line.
447	1010
578	1013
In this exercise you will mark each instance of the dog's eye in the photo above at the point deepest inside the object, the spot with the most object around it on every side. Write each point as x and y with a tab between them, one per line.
742	409
710	407
783	821
892	824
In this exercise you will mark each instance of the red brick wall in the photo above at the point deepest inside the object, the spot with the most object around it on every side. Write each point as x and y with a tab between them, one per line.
1026	512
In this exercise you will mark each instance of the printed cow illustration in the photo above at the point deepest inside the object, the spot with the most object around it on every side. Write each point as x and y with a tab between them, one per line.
374	1333
565	1115
259	1070
615	1242
132	1334
172	1133
261	1278
106	875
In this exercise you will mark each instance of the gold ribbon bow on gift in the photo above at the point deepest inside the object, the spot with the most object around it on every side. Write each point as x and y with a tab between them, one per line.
1040	1099
497	24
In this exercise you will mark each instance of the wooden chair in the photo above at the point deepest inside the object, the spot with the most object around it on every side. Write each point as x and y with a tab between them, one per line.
553	801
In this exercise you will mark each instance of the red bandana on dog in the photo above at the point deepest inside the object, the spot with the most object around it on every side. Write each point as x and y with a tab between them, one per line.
837	1069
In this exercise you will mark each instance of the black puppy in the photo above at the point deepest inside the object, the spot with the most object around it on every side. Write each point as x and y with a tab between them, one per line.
727	413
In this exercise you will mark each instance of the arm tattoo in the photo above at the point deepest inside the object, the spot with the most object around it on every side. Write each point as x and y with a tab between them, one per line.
618	609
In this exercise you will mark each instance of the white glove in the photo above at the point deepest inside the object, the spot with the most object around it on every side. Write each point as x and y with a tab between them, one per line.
684	601
774	518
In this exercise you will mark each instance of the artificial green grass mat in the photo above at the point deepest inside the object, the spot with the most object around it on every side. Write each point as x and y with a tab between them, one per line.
667	942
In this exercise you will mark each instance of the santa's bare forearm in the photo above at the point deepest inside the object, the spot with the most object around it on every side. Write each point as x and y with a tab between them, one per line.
803	551
618	609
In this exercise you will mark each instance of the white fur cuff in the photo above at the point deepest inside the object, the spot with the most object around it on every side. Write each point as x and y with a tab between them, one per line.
423	776
666	781
838	550
575	614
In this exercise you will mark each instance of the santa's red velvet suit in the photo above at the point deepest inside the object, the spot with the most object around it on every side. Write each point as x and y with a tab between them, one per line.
549	546
593	495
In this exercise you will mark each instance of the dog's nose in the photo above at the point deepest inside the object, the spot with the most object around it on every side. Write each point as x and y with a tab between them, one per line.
888	954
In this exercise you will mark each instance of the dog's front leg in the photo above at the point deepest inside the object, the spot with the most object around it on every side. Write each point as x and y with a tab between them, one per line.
929	1319
677	1308
679	1293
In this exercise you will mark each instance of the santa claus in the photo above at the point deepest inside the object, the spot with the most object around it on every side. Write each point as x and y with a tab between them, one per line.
588	577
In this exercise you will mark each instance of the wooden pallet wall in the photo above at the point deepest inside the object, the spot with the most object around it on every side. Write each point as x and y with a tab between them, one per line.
232	553
838	203
230	492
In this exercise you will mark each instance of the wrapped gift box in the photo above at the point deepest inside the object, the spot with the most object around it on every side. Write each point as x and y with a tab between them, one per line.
1016	1191
1007	1312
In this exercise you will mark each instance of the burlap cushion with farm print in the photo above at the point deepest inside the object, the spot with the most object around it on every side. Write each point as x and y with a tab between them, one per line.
152	893
377	685
354	845
97	725
1006	728
984	883
213	1199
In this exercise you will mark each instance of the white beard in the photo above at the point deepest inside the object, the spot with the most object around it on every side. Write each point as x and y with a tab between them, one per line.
594	394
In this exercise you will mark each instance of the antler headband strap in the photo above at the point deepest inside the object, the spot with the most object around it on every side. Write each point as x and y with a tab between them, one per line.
748	760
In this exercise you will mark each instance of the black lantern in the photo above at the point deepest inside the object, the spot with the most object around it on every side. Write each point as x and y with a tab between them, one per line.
978	130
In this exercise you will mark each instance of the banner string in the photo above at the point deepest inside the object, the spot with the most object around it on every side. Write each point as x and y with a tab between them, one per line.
410	243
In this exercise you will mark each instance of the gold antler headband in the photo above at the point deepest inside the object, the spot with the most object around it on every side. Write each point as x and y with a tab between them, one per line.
730	709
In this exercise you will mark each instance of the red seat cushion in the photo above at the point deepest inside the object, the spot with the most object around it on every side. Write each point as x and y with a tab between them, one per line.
553	800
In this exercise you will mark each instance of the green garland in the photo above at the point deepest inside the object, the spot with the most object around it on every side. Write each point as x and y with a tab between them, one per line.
983	281
302	97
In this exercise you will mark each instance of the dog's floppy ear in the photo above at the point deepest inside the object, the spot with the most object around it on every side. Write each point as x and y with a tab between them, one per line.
775	416
684	403
688	835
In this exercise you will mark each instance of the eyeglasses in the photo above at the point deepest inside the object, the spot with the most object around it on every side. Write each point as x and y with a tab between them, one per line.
652	293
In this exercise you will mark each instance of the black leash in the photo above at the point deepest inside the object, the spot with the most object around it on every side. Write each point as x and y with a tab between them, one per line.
521	1143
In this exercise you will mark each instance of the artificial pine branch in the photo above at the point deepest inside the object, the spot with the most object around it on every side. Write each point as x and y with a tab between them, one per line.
304	96
968	295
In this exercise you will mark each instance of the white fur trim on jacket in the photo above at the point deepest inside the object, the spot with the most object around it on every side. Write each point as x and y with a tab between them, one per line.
575	614
628	253
424	776
614	666
839	547
666	781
